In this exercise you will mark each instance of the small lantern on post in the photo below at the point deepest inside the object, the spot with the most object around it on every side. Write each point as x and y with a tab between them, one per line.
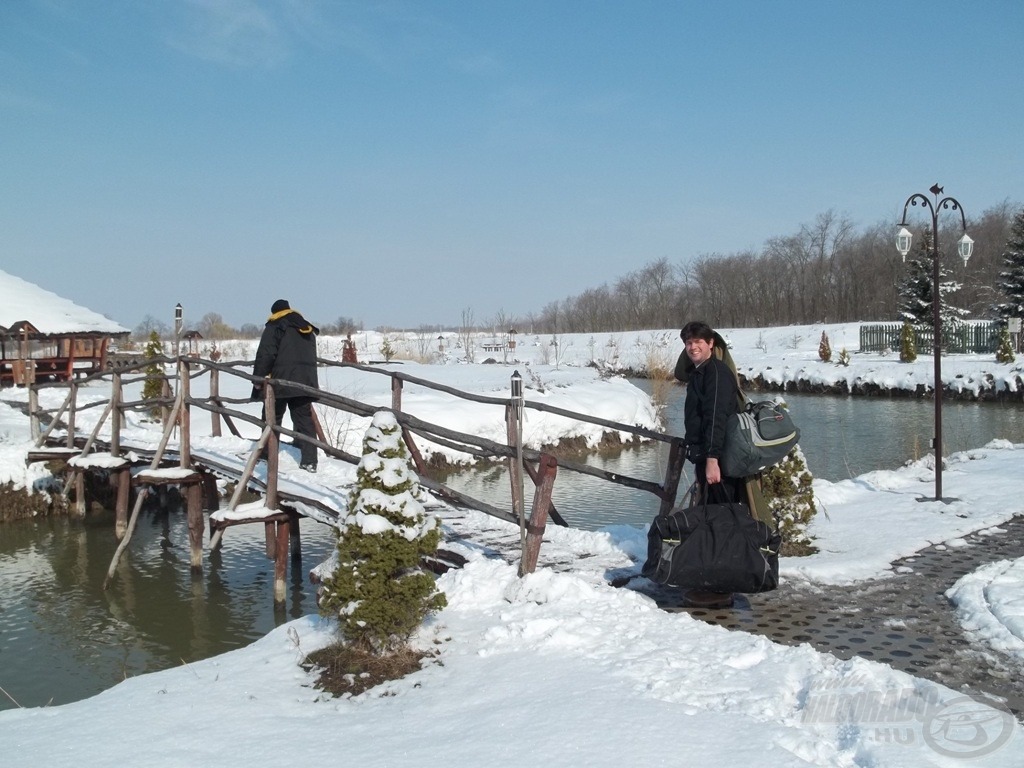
903	240
517	416
177	328
965	247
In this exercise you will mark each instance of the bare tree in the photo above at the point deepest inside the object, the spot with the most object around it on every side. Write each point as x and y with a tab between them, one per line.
212	326
467	333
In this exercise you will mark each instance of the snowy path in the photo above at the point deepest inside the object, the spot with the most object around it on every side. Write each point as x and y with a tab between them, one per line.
905	621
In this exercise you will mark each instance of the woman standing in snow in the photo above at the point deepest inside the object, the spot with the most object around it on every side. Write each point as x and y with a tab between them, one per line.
712	396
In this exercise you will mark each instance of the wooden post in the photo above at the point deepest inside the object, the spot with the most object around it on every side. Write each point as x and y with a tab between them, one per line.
115	414
73	394
124	484
33	416
295	539
281	561
270	499
676	459
270	539
185	441
80	506
317	427
211	500
548	468
414	451
514	466
396	394
165	394
215	398
273	438
141	496
194	496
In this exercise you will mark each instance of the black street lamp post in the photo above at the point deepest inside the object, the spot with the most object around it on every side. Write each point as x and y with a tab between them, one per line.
177	328
965	246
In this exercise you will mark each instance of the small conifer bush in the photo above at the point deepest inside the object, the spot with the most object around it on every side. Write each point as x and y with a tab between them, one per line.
154	385
378	590
787	489
825	349
908	344
1004	352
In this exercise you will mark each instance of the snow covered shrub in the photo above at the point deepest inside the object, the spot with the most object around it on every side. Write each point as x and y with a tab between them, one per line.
908	344
844	357
378	590
154	385
787	489
387	349
1004	352
825	349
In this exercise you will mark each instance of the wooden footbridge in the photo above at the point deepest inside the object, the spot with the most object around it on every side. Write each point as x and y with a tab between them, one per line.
138	462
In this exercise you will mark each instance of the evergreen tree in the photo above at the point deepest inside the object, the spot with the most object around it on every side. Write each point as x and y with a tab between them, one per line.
915	291
378	589
825	349
787	487
1011	279
1004	352
908	344
154	386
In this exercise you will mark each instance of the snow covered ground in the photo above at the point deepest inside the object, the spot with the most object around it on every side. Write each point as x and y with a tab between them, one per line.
562	670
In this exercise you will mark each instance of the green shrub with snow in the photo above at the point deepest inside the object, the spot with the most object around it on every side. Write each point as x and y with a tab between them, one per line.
790	496
908	344
154	386
378	590
1004	352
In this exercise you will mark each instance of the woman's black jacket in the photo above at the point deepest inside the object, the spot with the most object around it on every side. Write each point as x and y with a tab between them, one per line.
711	398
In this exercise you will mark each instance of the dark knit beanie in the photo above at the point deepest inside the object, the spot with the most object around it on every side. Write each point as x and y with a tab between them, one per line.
278	306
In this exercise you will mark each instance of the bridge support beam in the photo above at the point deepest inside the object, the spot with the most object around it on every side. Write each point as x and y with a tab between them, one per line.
281	560
546	470
123	480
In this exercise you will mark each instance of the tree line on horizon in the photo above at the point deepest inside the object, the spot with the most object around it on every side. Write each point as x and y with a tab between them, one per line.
827	272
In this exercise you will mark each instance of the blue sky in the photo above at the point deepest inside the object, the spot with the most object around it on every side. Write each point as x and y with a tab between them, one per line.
400	162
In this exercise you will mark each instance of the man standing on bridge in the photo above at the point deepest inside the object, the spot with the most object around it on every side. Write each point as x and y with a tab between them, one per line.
287	352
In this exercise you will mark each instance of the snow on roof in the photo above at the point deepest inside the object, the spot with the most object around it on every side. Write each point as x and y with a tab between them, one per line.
48	312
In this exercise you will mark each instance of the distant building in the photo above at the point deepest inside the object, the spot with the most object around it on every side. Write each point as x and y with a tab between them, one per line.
46	337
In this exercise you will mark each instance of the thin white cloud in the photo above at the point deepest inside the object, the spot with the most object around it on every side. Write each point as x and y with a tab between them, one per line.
237	33
15	101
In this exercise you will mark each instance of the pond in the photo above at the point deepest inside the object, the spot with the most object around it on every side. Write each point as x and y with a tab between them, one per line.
841	437
62	638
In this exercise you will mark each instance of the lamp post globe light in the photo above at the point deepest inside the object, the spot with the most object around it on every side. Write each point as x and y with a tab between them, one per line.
965	247
177	327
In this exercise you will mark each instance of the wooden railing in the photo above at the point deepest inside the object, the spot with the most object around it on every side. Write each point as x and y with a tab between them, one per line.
177	414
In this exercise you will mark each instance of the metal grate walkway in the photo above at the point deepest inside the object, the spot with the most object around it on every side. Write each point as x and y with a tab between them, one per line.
904	621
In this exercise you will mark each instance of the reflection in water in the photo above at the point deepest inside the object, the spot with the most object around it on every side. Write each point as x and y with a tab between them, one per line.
63	638
841	437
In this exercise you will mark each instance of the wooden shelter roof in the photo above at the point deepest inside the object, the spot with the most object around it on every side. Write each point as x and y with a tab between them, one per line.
25	306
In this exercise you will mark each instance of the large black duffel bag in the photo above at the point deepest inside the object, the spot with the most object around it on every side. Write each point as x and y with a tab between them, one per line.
713	547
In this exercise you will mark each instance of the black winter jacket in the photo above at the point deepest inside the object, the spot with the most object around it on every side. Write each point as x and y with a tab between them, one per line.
711	398
287	351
